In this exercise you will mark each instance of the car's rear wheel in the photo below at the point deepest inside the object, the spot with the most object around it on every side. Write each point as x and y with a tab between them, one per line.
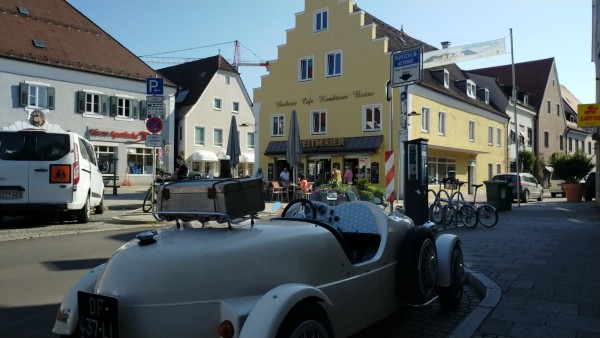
418	266
449	297
305	320
83	215
541	197
100	207
525	197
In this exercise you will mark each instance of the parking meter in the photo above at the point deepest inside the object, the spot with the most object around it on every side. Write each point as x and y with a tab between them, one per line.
415	180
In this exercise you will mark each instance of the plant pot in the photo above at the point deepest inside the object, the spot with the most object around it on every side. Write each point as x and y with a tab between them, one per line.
573	191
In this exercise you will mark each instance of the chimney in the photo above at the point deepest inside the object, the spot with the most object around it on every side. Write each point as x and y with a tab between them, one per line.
446	44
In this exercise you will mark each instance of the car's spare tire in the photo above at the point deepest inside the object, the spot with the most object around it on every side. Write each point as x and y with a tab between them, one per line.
418	266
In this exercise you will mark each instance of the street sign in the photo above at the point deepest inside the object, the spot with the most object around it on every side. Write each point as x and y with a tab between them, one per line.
154	86
155	110
155	99
407	67
154	124
154	140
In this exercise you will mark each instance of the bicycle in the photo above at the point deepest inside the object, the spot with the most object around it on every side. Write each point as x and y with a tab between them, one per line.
486	213
436	209
459	208
149	203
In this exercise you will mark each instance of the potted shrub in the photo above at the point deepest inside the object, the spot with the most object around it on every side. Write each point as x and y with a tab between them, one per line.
573	168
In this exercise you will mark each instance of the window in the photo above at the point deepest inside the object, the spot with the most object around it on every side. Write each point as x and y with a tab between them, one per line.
333	64
441	123
512	137
490	170
529	136
561	141
305	69
320	20
124	107
139	160
372	118
472	131
471	89
546	139
498	168
235	107
590	148
218	104
558	109
498	137
549	106
218	137
526	99
446	78
318	122
570	144
36	95
227	79
199	136
250	140
425	119
277	124
490	135
92	103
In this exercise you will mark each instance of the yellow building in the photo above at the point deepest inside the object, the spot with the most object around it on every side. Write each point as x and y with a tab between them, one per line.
333	72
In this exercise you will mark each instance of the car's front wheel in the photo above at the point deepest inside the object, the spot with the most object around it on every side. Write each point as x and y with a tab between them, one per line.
449	297
305	320
418	266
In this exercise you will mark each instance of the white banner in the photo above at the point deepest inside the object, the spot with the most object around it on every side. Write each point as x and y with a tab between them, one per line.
447	56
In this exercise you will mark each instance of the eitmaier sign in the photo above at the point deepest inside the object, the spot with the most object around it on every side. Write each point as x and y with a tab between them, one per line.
588	115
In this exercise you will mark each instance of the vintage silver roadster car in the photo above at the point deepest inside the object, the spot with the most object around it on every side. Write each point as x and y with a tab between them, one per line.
318	270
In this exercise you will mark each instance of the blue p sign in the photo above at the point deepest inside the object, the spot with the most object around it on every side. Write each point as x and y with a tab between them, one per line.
154	86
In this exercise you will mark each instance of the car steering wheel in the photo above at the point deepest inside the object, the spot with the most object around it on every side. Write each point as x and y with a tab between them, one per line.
304	203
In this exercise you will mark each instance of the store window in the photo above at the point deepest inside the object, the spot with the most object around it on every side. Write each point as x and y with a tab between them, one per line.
139	161
107	157
440	168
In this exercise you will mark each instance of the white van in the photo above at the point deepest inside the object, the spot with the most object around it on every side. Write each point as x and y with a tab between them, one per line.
555	187
49	171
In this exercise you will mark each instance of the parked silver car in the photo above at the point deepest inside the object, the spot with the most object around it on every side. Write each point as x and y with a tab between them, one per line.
529	186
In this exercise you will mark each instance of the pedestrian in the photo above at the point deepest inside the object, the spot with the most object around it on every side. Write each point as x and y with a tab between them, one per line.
303	183
284	177
259	174
181	170
348	175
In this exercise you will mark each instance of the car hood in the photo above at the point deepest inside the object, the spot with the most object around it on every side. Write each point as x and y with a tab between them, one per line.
219	263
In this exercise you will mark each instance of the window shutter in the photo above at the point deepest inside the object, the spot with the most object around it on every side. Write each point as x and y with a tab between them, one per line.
104	104
113	106
143	110
80	102
51	96
23	94
135	105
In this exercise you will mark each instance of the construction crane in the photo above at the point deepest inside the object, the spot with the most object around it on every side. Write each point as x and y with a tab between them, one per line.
236	62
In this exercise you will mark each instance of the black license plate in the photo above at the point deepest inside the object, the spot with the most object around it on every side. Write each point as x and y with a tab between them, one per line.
98	316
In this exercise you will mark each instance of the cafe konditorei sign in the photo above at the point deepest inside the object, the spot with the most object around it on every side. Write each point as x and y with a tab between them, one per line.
357	94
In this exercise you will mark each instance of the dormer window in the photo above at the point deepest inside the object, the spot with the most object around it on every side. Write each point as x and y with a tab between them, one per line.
446	78
484	94
471	89
526	99
321	20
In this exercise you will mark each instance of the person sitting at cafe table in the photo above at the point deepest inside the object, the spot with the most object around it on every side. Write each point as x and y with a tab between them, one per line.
303	183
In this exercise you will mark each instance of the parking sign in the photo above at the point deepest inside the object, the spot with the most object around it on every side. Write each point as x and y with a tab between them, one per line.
154	86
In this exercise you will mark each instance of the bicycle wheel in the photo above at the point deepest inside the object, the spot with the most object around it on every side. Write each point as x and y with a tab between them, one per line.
436	213
487	215
468	215
449	212
457	197
147	204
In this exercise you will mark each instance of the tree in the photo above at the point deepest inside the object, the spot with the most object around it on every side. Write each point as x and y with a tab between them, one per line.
527	158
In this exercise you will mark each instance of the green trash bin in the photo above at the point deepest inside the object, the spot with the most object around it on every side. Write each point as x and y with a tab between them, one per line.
499	194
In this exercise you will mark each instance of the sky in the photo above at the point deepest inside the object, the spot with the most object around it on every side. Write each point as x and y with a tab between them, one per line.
189	29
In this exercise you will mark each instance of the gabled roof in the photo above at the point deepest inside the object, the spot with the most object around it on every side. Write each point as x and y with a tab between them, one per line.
398	40
570	105
193	77
71	40
531	76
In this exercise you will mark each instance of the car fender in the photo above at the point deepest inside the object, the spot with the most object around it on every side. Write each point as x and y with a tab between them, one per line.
270	311
68	313
444	245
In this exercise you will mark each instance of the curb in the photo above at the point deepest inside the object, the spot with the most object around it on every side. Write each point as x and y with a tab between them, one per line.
492	294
